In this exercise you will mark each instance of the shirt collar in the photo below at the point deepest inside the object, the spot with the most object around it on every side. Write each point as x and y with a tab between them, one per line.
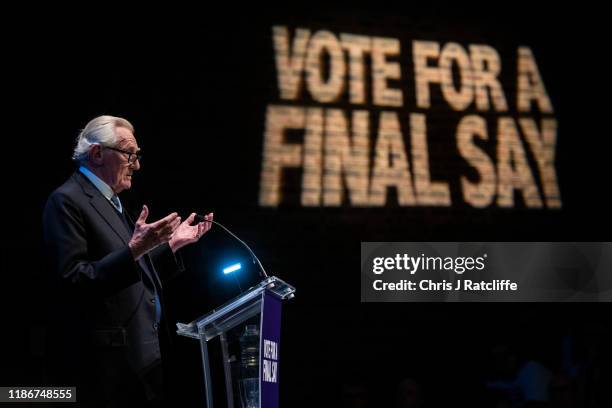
97	181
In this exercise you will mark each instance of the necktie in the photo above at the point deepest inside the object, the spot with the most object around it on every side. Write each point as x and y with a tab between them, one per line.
116	203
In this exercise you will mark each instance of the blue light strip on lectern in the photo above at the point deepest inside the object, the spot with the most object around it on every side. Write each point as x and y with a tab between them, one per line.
232	268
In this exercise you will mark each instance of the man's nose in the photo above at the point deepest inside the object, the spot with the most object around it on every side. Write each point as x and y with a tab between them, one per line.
136	165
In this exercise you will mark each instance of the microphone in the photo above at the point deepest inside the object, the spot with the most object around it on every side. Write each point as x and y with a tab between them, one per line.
200	218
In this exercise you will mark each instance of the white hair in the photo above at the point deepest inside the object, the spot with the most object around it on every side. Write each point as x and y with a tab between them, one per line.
99	131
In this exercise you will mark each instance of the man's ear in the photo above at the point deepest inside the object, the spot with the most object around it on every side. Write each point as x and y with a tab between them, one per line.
95	155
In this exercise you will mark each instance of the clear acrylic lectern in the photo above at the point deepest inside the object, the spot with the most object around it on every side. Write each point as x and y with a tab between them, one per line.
249	329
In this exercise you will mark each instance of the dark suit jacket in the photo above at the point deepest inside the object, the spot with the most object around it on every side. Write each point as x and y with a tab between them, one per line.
108	298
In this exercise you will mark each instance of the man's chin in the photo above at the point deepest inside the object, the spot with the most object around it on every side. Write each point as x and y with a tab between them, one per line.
124	186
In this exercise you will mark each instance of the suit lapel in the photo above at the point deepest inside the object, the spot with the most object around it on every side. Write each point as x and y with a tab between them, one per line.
103	207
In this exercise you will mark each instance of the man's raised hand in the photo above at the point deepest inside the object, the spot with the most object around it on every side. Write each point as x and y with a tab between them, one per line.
148	236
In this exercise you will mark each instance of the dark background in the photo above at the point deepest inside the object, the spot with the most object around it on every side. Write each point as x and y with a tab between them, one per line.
196	85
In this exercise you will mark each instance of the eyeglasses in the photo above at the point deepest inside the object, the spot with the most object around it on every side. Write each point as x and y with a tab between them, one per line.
132	157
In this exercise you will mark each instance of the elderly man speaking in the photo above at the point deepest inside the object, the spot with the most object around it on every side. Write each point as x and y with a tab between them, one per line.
111	270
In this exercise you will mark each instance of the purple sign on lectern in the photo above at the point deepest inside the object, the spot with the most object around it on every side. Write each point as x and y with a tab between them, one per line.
270	347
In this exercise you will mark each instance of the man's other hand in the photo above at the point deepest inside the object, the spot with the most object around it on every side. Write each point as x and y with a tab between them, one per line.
187	234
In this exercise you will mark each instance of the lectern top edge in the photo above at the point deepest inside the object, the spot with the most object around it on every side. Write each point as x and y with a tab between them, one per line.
272	284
